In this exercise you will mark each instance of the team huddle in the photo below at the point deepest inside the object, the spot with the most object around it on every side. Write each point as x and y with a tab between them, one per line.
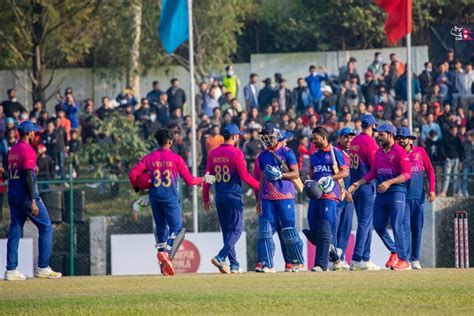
381	185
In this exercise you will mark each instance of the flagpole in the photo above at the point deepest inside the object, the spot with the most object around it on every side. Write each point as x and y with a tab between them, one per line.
193	113
408	70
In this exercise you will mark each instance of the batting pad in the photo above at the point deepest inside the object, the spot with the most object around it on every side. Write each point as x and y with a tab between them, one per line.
265	244
294	244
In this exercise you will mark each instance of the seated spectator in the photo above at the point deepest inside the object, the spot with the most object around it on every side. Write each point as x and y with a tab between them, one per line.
378	114
38	106
267	114
45	165
126	97
426	79
105	109
142	111
163	110
3	125
329	99
216	118
214	139
369	88
151	125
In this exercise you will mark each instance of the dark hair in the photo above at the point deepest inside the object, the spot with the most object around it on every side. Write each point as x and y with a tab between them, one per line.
163	135
226	136
312	67
377	54
321	131
155	82
227	68
10	91
173	80
253	75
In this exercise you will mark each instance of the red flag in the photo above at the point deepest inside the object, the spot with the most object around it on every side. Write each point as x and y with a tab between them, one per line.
399	22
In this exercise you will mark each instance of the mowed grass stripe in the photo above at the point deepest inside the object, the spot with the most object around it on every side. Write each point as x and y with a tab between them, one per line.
428	291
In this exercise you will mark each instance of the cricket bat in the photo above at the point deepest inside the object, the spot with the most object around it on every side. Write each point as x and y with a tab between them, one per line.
336	170
299	186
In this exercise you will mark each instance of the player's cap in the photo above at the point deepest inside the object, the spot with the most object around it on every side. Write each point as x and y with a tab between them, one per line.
232	129
378	108
285	135
346	131
369	74
41	147
387	128
368	120
404	132
327	88
28	126
268	128
9	120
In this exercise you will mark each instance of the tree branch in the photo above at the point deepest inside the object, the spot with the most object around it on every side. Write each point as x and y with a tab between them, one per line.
20	82
67	18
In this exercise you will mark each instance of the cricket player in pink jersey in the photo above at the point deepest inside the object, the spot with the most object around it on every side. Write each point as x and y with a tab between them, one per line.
227	164
362	155
391	170
165	166
415	199
24	202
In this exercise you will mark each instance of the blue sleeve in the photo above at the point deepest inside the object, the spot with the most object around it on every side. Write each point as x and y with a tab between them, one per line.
341	162
290	158
260	162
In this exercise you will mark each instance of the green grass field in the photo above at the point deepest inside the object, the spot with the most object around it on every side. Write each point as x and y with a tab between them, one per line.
440	291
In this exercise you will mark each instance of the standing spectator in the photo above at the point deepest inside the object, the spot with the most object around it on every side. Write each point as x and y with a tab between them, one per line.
211	102
283	94
468	164
231	82
126	97
466	89
60	143
71	109
316	75
63	122
214	139
176	96
201	97
301	97
61	98
142	111
163	110
430	125
304	151
369	88
252	147
398	65
376	68
38	106
88	130
216	118
3	124
251	93
48	138
151	125
45	167
426	79
105	109
73	148
265	95
347	70
153	96
470	122
401	87
12	105
452	148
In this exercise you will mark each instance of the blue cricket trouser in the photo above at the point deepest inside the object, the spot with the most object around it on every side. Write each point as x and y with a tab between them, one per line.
413	227
286	256
364	198
391	206
231	218
280	214
322	220
168	222
345	214
20	210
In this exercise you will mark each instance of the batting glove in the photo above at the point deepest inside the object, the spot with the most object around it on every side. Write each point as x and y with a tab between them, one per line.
141	202
272	173
209	179
326	184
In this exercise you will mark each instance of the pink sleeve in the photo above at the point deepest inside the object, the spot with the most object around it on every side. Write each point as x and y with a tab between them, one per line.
243	173
373	169
29	160
136	171
256	170
185	174
405	167
206	186
371	150
429	170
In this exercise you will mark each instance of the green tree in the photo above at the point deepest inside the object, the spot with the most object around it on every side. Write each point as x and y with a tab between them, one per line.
120	143
41	34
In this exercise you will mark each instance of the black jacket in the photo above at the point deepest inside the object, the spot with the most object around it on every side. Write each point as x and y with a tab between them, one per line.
176	98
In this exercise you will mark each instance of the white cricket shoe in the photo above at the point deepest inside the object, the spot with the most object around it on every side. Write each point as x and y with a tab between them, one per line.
298	267
369	266
14	275
344	265
237	271
333	266
47	273
415	265
356	266
268	270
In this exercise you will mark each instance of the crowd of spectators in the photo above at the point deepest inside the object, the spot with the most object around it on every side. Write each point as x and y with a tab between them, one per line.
443	114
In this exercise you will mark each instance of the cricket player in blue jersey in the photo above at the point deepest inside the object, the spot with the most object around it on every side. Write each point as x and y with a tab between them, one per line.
362	155
275	202
24	203
322	213
227	164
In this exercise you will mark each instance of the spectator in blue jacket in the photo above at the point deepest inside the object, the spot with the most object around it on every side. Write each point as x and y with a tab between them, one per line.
314	84
401	87
71	109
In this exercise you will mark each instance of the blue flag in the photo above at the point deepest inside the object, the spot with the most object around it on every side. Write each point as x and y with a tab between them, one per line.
173	28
